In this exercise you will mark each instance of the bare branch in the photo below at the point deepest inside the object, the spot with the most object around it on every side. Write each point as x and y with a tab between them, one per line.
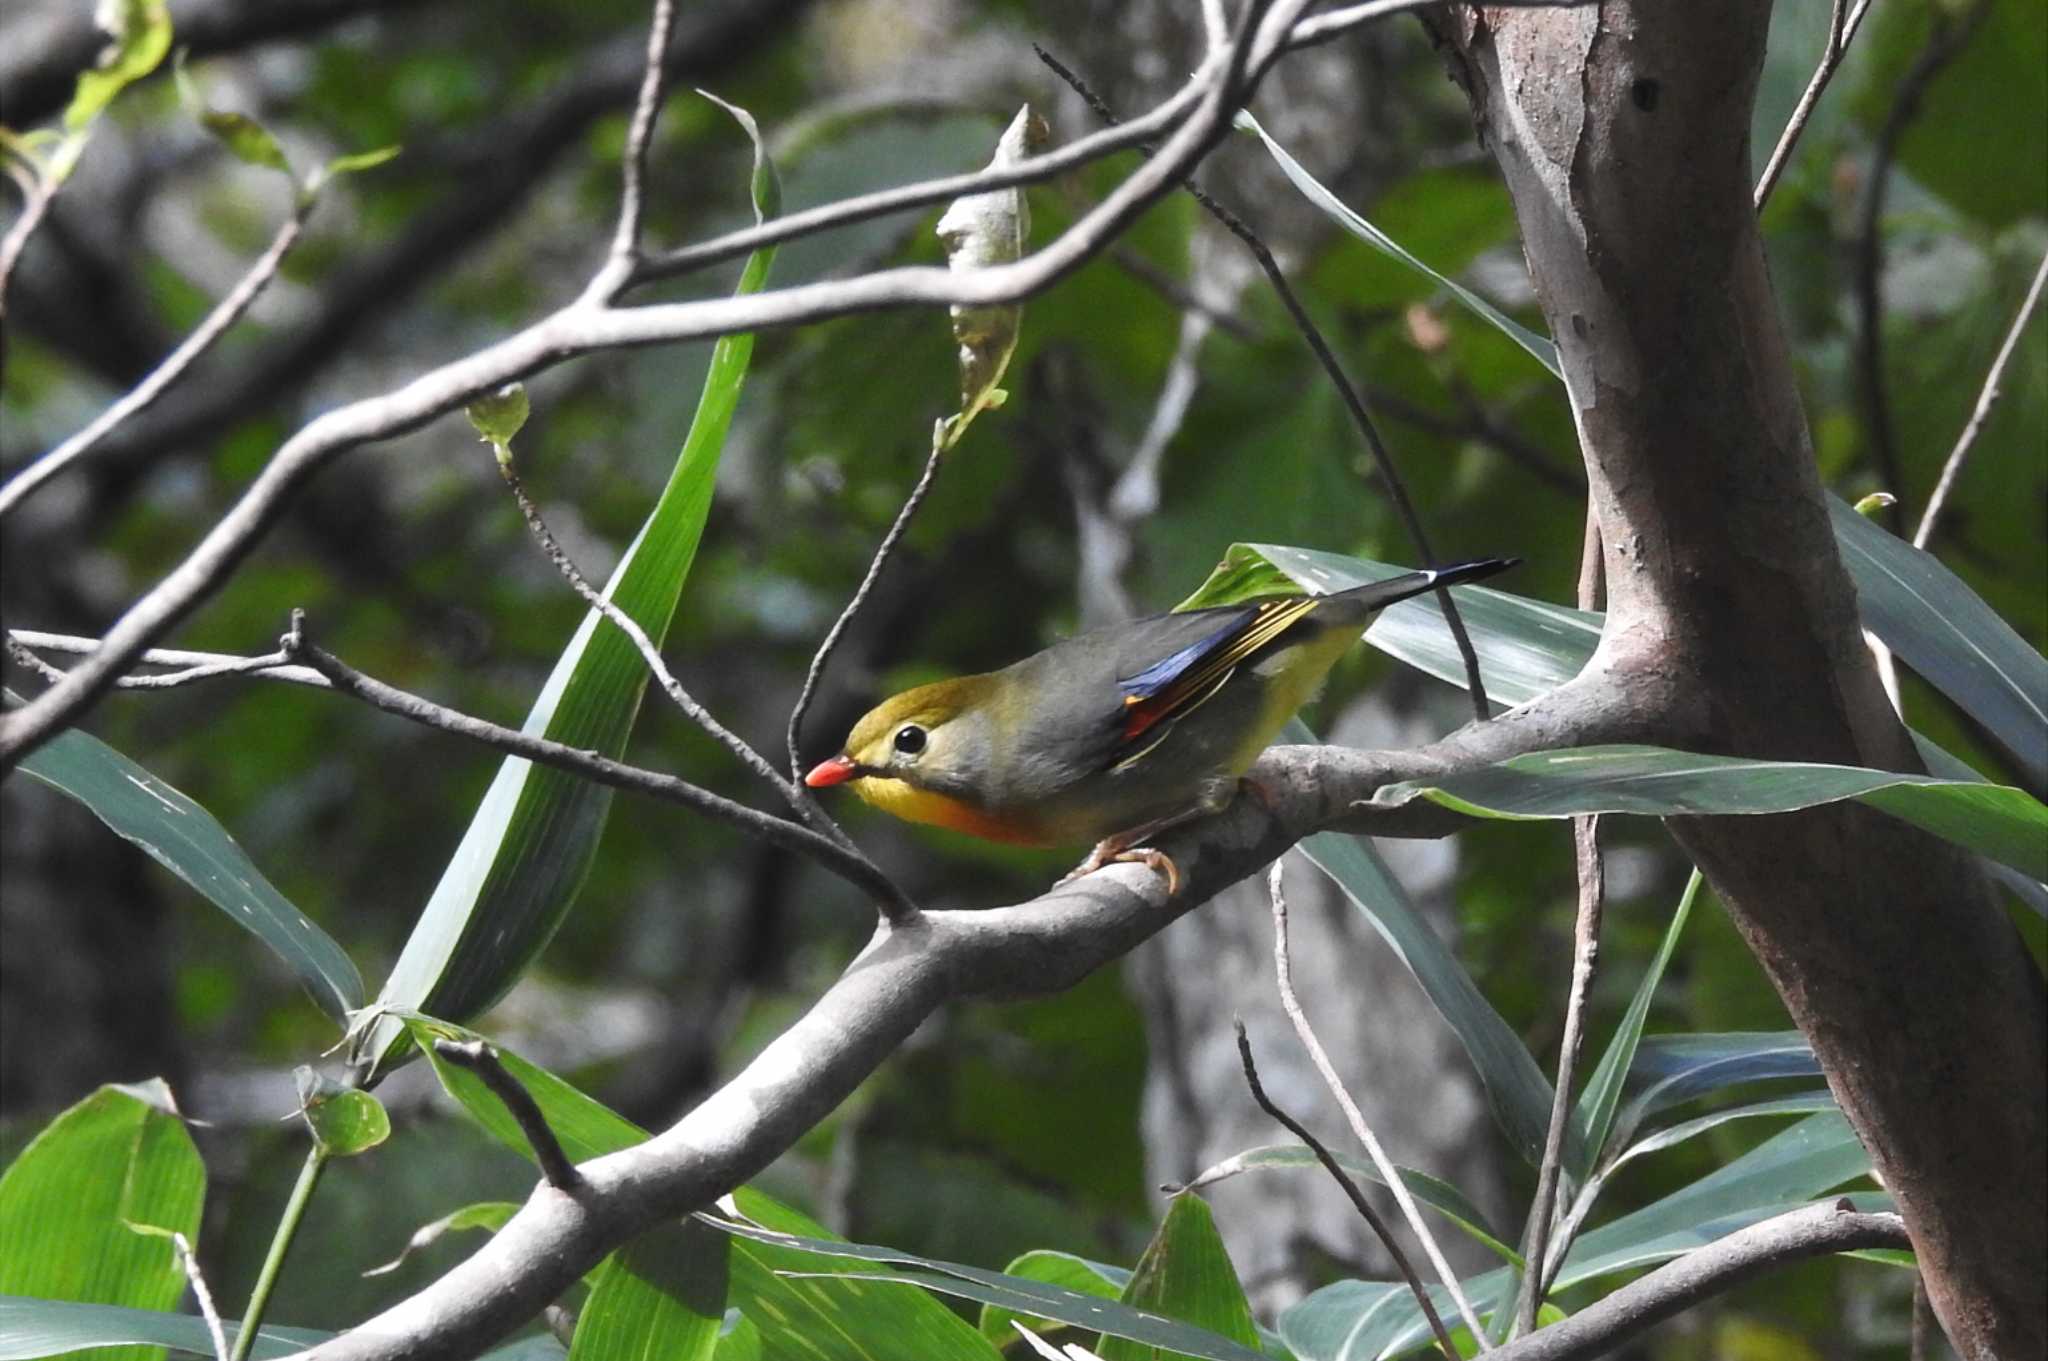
39	191
1389	1174
639	133
1986	399
193	666
584	326
1842	25
848	864
188	1262
1344	1181
1601	1328
1585	963
224	315
480	1058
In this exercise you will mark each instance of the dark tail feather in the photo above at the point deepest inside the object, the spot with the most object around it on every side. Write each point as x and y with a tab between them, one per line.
1380	594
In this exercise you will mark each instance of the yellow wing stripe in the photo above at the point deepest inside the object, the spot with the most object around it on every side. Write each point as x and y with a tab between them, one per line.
1274	617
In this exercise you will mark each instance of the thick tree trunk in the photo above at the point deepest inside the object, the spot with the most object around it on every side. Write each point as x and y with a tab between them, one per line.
1623	131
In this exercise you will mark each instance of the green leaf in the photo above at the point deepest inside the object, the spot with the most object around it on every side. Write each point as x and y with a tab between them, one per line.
120	1157
1671	1070
1594	1115
344	1121
1942	629
1186	1274
184	838
2006	824
141	33
809	1295
1335	209
351	164
37	1327
662	1295
1355	1320
488	1215
1526	647
585	1128
531	841
500	416
1516	1091
1438	1194
1062	1269
245	138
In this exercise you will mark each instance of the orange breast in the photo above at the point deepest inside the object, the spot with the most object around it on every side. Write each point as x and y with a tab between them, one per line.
900	799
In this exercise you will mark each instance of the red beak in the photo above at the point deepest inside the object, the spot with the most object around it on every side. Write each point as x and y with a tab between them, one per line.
838	770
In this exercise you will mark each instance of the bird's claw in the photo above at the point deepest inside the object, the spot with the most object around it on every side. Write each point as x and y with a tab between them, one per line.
1108	853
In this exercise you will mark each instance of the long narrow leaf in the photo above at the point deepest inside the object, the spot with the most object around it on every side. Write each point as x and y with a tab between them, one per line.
1942	629
2006	824
1594	1114
517	870
186	840
662	1295
36	1327
1363	1320
1516	1090
1017	1294
1544	352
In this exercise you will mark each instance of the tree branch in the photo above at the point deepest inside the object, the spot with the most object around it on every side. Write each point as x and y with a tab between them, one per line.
137	399
910	969
1842	25
1602	1327
480	1058
849	864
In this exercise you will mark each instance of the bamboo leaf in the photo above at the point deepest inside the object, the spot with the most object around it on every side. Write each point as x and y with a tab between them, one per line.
184	838
533	838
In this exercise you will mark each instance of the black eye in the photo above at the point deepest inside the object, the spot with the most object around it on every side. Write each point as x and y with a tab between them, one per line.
910	739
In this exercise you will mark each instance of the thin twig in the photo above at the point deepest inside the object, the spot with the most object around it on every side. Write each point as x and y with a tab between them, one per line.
1842	25
1585	963
639	134
650	655
194	666
853	606
1324	27
1283	970
482	1059
1924	1328
1383	459
1986	399
1351	1191
848	864
39	190
1947	38
188	1262
224	315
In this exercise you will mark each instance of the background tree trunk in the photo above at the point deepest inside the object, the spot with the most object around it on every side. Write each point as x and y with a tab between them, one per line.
1623	132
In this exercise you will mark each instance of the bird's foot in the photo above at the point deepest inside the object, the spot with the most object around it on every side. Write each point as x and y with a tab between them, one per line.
1111	852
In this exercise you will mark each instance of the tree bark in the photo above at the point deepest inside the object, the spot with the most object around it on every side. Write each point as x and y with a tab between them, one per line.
1623	133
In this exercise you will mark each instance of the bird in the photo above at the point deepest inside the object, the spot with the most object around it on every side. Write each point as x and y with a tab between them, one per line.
1114	735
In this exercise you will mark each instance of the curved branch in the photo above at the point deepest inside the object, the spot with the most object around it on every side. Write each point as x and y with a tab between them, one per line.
908	971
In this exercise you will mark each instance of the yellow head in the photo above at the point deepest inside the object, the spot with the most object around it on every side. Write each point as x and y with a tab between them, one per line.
925	756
